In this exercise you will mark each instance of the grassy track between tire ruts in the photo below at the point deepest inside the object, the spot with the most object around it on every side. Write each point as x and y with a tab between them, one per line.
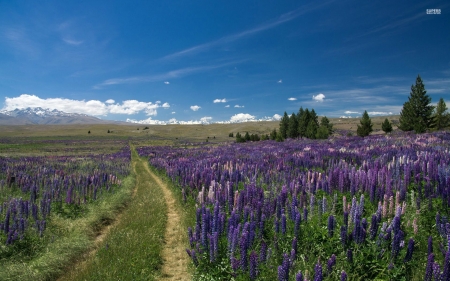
132	248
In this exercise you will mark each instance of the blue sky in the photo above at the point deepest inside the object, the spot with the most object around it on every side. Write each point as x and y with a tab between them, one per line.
221	60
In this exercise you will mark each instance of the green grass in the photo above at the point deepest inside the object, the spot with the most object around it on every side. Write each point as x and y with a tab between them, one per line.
64	241
132	249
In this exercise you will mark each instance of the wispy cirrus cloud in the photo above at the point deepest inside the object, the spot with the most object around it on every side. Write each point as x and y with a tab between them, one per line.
177	73
259	28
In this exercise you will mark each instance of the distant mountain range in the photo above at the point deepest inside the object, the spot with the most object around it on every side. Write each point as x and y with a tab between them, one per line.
38	115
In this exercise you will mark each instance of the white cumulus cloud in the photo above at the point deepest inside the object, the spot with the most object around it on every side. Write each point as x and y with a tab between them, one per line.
277	117
165	105
219	100
195	107
90	107
238	106
319	98
351	112
242	117
379	113
227	105
166	82
280	81
292	98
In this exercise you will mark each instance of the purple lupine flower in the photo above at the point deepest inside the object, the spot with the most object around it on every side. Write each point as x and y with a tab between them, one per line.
244	247
299	276
343	276
191	237
294	246
409	251
331	262
396	224
263	252
281	274
373	227
234	264
286	265
436	272
293	257
446	272
350	255
318	272
396	243
429	267
346	219
305	214
298	219
283	224
331	224
430	245
194	257
253	265
343	235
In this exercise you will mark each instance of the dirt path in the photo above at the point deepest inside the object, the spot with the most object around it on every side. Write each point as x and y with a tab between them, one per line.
173	254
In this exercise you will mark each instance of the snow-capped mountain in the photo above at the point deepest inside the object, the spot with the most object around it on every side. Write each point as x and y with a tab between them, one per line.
38	115
39	111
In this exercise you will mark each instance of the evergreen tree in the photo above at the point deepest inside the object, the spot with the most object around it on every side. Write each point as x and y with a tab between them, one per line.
326	122
441	118
322	132
247	137
230	135
366	125
239	137
311	129
386	126
303	122
417	111
313	125
292	131
284	125
273	134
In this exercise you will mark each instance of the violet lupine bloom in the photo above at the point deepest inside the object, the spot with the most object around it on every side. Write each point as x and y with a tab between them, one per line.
283	224
446	272
409	251
429	268
281	274
299	276
253	265
263	252
318	272
343	235
286	265
331	224
298	219
350	255
331	262
430	245
343	276
244	247
373	227
436	272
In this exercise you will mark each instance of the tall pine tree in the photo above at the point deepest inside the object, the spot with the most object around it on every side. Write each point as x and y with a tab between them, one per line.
292	131
284	126
441	117
417	111
366	125
386	126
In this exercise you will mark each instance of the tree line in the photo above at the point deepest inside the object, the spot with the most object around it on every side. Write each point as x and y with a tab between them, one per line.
417	114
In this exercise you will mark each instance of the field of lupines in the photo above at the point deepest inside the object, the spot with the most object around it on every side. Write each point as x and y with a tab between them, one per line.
32	189
353	208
